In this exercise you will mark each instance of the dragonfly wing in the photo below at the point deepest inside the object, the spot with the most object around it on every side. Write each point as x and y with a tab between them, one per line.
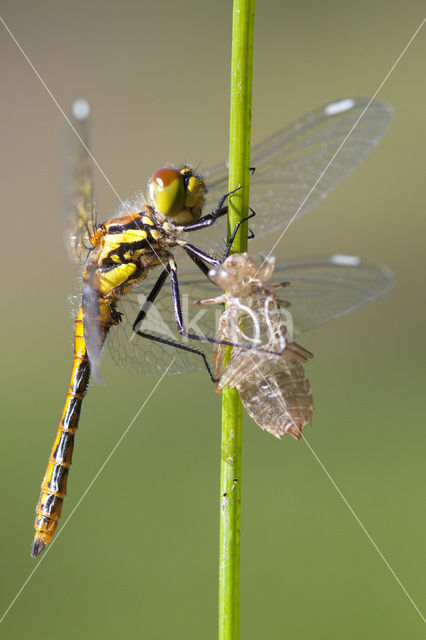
142	356
321	289
299	165
94	334
78	207
327	287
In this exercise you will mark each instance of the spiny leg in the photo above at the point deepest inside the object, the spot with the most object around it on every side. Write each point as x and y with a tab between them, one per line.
150	298
179	316
210	218
183	347
234	233
199	257
142	315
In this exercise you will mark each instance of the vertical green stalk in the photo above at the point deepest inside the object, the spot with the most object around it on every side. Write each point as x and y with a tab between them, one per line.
239	173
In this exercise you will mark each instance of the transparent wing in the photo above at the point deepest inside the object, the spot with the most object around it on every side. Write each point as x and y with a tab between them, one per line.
321	289
325	288
78	207
142	356
299	165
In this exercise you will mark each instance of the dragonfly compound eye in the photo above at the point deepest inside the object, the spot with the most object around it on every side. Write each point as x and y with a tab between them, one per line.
167	191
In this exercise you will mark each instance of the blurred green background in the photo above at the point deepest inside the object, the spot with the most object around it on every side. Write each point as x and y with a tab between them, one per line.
139	557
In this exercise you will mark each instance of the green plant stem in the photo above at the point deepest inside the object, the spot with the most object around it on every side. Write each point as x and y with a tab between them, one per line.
239	173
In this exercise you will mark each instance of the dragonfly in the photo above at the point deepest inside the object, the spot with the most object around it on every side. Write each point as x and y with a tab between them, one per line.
117	255
130	275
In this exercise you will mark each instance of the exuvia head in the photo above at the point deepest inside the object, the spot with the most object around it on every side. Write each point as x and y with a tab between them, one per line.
266	265
177	194
242	270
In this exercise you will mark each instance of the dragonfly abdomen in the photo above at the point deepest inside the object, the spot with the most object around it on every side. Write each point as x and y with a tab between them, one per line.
54	485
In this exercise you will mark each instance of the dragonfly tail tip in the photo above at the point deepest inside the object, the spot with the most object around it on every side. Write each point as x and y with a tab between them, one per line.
37	548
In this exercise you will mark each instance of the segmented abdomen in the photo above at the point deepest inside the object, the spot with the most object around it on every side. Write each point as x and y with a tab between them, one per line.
274	390
54	485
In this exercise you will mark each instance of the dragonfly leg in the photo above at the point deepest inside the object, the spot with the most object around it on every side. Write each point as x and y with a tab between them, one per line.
150	299
179	316
210	218
143	312
171	270
234	233
183	347
199	256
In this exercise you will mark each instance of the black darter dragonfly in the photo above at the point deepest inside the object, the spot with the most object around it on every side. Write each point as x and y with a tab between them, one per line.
120	281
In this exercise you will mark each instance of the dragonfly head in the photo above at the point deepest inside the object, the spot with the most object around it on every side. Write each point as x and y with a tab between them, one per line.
177	194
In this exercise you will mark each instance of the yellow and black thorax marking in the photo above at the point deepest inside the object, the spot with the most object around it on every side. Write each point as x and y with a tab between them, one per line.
125	249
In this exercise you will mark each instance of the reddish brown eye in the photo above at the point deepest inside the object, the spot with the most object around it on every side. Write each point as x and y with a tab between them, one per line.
167	191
